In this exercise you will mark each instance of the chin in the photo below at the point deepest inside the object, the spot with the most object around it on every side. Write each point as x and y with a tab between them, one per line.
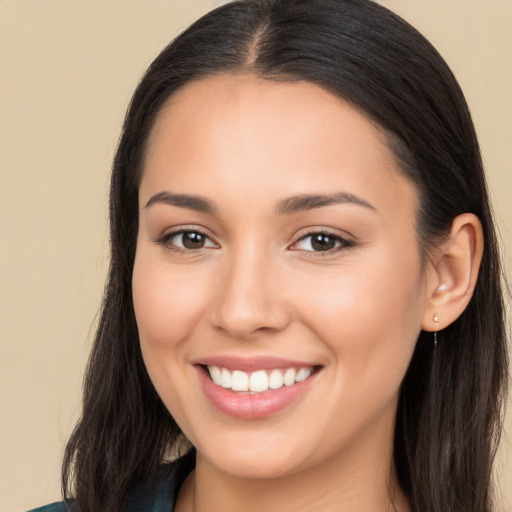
254	466
260	456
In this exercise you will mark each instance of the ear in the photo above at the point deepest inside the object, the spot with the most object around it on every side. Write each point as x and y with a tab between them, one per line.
453	273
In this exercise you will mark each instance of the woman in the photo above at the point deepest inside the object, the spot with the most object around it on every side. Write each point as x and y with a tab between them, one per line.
304	293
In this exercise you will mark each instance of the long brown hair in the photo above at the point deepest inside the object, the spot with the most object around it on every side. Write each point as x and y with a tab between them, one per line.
449	413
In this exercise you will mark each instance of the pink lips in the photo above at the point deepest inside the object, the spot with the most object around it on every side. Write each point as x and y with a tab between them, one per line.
251	406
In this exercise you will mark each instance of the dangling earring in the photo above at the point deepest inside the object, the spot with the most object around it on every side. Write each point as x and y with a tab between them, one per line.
436	320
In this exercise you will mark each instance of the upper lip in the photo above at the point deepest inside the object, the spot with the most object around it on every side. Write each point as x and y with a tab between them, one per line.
249	364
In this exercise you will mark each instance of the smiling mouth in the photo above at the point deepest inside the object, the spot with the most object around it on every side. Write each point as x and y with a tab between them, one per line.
258	381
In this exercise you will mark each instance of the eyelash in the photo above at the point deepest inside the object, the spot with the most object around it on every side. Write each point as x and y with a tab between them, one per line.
343	243
165	239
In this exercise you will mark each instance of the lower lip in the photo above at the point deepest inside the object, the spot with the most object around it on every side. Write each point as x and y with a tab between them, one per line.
256	406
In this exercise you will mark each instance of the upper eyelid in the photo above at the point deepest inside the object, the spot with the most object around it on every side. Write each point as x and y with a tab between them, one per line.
326	231
185	229
348	241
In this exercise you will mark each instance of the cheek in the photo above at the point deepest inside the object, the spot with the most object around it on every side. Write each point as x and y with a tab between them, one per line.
369	315
370	320
361	299
167	303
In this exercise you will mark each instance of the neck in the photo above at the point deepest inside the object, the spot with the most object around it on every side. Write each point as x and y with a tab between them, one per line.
359	477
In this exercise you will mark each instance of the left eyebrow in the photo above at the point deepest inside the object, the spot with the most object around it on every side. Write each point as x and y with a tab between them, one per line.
305	202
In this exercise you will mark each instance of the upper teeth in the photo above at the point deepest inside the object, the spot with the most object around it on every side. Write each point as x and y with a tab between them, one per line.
258	381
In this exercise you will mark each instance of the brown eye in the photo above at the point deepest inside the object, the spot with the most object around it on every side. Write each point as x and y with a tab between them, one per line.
192	240
186	240
322	242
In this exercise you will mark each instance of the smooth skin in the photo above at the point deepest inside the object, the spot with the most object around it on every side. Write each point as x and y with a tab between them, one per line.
248	279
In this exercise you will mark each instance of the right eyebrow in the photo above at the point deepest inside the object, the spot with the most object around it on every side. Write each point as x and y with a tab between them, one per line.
197	203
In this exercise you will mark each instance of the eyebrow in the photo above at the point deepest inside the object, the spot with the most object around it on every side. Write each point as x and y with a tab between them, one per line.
310	201
197	203
294	204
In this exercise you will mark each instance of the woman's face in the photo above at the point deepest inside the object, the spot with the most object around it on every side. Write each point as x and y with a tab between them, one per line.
276	240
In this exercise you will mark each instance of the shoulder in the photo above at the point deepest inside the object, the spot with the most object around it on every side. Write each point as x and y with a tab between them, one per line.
60	506
157	493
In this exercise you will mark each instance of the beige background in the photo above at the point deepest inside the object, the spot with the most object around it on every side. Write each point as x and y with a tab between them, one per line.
67	69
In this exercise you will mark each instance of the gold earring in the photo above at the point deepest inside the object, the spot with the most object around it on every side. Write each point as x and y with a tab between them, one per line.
436	320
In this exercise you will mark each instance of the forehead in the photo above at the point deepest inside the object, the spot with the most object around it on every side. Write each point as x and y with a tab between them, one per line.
253	107
250	136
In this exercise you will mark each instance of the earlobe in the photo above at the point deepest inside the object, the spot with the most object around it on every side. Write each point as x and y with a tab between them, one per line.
454	272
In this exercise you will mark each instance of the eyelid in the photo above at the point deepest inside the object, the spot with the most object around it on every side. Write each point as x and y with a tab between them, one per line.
168	235
346	242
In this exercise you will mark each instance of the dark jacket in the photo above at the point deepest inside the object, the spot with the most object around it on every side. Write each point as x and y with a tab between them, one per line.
157	494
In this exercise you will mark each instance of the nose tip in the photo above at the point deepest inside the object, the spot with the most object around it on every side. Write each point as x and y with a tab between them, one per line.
249	303
243	326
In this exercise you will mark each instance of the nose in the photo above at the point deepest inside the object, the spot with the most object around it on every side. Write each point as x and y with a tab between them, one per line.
250	298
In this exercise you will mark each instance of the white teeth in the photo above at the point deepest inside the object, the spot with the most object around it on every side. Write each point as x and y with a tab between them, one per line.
289	377
225	379
302	374
275	380
258	381
240	381
215	374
